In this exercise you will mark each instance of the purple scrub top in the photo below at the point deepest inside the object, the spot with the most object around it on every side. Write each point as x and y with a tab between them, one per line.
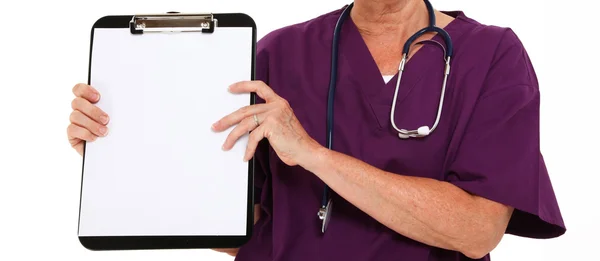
487	141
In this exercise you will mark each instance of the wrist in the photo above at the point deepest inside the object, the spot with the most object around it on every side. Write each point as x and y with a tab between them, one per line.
314	155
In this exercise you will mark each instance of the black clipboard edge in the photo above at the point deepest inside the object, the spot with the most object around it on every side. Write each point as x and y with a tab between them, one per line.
173	242
161	242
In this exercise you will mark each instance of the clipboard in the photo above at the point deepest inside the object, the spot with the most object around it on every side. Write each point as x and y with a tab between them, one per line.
159	179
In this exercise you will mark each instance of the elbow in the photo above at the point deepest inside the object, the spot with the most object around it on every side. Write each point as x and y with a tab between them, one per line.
480	246
485	236
476	252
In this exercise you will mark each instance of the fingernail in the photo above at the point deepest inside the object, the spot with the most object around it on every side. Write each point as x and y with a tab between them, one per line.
95	96
103	130
104	119
223	147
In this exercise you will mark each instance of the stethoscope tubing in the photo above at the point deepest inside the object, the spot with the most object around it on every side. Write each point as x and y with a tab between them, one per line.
325	202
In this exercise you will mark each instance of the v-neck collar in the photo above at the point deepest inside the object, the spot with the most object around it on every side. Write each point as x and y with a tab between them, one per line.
365	73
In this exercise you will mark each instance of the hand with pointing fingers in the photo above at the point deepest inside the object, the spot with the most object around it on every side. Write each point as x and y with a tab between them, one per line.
274	120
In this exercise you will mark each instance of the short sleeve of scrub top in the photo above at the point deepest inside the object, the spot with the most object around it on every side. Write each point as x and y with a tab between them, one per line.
487	142
499	157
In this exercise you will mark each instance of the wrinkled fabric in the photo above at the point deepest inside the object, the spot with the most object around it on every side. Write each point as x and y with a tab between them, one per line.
487	141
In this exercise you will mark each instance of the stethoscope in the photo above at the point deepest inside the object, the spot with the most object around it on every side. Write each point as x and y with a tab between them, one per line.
326	202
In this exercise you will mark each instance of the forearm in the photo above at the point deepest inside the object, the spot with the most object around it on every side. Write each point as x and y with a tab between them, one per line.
433	212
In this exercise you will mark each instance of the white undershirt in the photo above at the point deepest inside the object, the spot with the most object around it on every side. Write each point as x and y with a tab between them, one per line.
387	78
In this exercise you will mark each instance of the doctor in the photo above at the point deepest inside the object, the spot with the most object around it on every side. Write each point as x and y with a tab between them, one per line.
371	190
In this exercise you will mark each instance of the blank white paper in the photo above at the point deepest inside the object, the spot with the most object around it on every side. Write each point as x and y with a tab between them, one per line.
161	170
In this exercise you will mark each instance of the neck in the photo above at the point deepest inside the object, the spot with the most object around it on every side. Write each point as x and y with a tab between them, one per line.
379	16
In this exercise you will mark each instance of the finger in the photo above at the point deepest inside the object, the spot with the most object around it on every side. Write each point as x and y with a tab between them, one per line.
90	110
87	92
229	251
237	116
259	87
245	126
255	137
80	119
79	133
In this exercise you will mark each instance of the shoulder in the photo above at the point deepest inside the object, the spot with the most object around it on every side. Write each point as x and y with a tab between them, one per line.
497	49
290	44
492	39
487	37
291	36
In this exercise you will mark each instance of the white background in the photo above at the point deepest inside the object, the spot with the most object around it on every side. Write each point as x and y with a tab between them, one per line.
44	48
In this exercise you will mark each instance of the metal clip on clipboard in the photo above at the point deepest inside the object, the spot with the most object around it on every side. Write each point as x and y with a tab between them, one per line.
172	22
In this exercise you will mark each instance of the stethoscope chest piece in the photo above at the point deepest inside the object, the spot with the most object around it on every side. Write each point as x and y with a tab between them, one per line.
325	215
